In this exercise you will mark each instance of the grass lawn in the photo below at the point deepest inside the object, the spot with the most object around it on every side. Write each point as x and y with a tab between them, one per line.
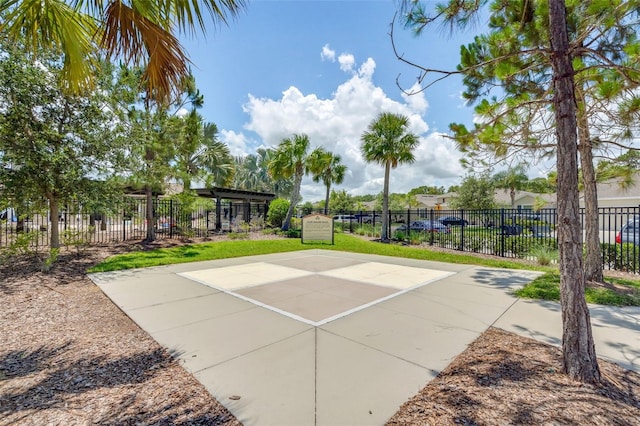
619	293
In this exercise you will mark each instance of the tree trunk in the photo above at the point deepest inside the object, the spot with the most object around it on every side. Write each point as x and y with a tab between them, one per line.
326	199
20	224
54	209
297	181
512	194
151	220
384	234
593	255
579	355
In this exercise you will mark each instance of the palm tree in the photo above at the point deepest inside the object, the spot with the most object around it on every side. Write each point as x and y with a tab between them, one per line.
389	143
246	176
215	158
513	179
200	155
328	168
134	31
291	159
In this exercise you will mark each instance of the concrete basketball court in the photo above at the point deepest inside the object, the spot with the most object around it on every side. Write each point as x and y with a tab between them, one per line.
320	337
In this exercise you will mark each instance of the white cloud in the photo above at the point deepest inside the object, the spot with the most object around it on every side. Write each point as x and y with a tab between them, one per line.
338	122
328	54
346	61
237	142
415	97
182	112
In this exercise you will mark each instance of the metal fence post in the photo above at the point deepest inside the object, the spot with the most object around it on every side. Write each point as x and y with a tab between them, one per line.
500	230
171	219
461	247
432	218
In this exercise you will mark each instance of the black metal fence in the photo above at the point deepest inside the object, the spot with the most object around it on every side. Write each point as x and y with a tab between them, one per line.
511	233
127	221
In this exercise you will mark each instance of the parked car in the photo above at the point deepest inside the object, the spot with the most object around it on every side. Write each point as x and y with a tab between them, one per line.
345	218
453	220
425	226
511	230
630	232
369	218
542	231
8	215
526	216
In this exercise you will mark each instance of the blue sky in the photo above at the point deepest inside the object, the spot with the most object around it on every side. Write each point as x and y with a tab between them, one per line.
327	68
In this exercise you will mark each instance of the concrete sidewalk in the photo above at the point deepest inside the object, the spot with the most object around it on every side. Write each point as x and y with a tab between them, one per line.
319	337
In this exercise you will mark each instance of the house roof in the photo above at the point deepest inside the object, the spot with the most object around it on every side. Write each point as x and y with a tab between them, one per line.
430	200
503	197
234	194
617	189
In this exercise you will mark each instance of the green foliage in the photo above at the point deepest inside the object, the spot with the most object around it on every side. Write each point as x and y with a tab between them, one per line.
547	287
426	189
187	233
307	208
293	233
340	201
478	243
76	238
21	245
517	245
368	230
26	244
396	201
238	235
512	180
229	249
543	254
277	212
416	238
388	142
364	198
621	257
475	193
51	258
69	153
327	168
199	155
540	185
72	27
292	160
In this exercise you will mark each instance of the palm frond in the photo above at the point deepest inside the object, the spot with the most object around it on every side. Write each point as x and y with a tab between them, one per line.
58	25
137	38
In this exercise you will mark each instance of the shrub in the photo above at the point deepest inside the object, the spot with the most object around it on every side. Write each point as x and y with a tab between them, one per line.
476	243
277	212
238	235
622	257
21	245
415	238
544	254
47	263
296	223
76	238
293	233
400	236
517	245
